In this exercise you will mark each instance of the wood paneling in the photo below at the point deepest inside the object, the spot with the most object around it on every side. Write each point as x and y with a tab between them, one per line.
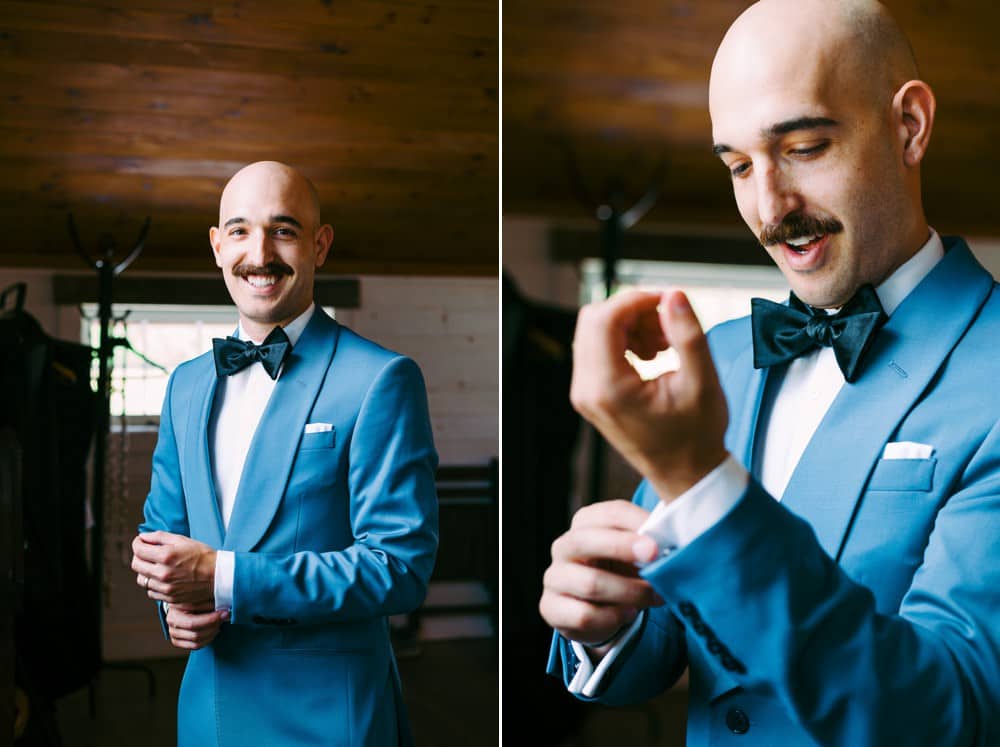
619	88
118	110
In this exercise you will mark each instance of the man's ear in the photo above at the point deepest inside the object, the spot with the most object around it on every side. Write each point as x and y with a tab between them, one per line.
215	239
914	107
324	238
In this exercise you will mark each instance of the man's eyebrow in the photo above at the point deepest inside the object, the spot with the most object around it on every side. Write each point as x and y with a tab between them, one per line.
286	219
783	128
801	123
231	221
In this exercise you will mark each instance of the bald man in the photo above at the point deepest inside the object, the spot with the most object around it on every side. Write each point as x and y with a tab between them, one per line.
292	505
818	530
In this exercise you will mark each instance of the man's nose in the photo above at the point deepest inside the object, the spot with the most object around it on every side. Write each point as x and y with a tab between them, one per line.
259	250
776	196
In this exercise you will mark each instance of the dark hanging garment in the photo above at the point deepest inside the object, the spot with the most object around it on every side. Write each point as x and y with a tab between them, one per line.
540	430
49	405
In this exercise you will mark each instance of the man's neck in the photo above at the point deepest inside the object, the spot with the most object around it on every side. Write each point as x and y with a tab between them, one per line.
257	331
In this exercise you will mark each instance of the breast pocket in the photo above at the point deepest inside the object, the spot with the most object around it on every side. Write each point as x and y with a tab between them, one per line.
318	440
903	475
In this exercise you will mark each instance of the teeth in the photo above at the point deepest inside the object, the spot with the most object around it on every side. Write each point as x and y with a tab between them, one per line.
802	240
261	281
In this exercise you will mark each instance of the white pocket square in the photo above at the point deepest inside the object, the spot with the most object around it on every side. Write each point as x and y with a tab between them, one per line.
907	450
318	427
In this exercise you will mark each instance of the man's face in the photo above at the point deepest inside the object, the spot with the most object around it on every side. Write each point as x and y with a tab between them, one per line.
269	245
815	169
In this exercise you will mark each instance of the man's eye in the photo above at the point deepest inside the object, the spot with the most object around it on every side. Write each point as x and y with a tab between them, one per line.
739	169
809	150
284	232
237	232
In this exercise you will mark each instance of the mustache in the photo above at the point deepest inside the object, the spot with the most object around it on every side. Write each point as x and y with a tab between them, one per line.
274	267
799	224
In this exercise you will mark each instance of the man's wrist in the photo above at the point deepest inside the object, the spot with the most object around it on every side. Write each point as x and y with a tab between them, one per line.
205	569
669	484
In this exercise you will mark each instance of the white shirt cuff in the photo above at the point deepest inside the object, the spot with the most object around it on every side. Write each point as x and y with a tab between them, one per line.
678	523
225	569
588	677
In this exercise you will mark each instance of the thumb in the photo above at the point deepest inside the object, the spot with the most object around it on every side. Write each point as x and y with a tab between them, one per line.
682	329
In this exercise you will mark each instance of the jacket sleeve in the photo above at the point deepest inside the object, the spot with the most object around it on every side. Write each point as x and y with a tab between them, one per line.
759	589
393	515
165	509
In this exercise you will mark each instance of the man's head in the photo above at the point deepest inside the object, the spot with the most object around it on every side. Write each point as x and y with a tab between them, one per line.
819	116
269	242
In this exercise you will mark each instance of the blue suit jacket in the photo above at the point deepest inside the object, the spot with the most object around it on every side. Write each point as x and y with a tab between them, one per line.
864	609
331	532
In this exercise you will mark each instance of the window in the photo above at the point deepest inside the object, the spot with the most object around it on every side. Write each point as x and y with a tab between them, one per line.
166	336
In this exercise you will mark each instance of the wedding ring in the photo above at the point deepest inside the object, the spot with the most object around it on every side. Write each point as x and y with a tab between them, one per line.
146	587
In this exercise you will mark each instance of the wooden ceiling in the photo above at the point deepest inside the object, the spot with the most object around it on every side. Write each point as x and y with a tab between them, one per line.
118	109
598	96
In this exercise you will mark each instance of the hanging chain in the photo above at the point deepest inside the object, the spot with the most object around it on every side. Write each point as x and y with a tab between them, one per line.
123	534
116	533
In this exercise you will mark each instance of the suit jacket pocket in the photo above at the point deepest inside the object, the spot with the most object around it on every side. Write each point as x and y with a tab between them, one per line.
318	440
903	475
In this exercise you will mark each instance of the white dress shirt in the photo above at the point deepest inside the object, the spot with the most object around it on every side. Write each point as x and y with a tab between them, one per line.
809	386
240	400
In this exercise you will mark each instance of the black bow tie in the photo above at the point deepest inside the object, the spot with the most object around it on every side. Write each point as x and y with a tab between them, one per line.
233	355
781	333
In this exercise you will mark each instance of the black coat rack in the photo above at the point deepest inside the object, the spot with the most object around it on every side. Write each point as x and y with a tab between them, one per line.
107	269
614	219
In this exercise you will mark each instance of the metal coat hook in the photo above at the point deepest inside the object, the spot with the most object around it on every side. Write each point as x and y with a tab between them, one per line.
611	212
108	246
615	219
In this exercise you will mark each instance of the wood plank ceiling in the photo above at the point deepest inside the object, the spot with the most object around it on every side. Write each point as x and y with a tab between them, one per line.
619	88
119	109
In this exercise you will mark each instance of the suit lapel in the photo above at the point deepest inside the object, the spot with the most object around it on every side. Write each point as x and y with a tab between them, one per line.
744	405
203	515
274	445
830	477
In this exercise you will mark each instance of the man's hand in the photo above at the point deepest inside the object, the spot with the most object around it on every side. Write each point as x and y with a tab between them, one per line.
175	569
192	629
592	588
671	428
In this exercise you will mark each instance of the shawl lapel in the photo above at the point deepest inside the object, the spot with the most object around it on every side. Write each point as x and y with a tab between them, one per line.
275	443
204	518
830	478
744	407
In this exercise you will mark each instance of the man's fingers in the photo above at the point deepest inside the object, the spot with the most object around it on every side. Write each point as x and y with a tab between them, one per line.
195	621
148	552
587	544
686	336
582	621
612	515
599	586
183	596
192	645
147	569
155	538
605	330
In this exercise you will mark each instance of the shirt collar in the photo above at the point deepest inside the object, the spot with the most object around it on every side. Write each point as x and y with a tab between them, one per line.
293	329
898	286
